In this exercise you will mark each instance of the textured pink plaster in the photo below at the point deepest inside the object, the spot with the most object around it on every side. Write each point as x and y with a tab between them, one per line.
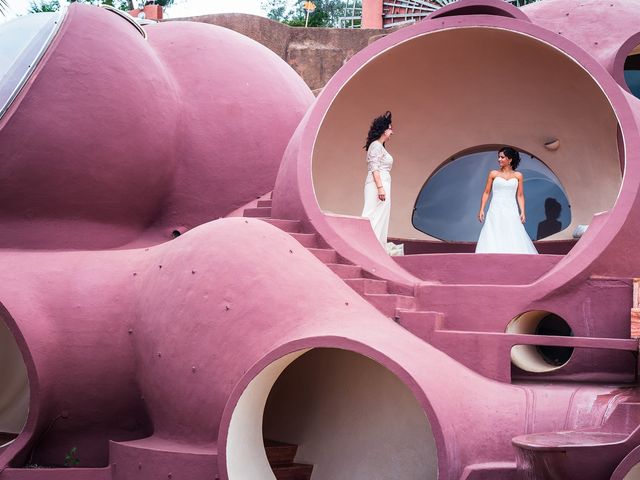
138	356
163	353
480	7
600	28
294	198
125	141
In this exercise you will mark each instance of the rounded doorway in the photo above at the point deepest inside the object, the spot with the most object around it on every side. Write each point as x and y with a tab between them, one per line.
14	387
346	416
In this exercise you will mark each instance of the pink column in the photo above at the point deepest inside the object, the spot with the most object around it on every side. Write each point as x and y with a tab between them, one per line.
371	13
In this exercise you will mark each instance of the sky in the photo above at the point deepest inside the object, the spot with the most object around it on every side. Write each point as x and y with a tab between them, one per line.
181	8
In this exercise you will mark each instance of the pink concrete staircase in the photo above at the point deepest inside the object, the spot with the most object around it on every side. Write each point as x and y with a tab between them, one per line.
398	302
386	297
548	455
281	458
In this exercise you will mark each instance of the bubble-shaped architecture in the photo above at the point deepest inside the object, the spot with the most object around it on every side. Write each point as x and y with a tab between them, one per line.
188	291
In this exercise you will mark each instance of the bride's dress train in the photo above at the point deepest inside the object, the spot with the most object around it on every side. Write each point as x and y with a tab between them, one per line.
503	232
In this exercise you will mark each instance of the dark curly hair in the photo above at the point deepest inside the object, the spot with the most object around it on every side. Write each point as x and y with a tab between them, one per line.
512	154
377	128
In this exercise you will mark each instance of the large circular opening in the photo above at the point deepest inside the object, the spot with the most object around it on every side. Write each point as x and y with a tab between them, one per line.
14	387
340	415
633	473
534	358
443	213
454	90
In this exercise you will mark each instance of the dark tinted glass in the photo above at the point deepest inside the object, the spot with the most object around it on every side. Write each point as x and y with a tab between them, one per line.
632	74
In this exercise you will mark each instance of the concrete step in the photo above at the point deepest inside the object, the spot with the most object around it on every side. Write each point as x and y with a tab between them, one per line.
264	203
289	226
279	453
387	303
257	212
325	255
345	271
421	323
295	471
625	418
308	240
367	285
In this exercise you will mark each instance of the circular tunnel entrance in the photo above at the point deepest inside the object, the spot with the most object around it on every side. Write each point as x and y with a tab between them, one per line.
346	416
14	387
453	90
540	358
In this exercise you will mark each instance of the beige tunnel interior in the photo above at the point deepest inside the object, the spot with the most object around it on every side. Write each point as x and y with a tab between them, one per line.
349	416
352	418
454	90
14	387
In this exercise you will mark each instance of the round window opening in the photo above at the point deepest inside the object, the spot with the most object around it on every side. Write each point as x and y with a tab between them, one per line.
448	202
301	413
632	72
540	358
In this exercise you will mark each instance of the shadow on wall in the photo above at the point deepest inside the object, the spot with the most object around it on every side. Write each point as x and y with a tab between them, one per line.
551	224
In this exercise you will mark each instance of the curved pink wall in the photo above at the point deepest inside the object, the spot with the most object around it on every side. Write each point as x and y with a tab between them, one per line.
139	356
476	79
295	195
161	135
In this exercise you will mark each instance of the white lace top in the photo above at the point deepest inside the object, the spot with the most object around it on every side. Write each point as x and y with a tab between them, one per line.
378	158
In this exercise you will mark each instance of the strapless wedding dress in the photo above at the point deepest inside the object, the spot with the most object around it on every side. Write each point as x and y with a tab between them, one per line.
503	232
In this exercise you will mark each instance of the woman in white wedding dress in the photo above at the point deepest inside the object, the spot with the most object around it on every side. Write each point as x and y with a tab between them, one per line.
503	230
377	186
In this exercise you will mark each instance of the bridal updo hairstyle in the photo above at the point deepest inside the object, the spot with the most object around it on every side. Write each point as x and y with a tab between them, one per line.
377	128
512	154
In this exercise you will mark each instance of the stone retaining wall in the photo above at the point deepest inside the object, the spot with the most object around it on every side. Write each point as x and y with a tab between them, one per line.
315	53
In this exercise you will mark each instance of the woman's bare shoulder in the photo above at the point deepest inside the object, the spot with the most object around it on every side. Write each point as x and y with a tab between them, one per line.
493	173
518	175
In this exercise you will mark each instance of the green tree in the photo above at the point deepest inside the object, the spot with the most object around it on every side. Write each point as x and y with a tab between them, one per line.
275	9
326	14
54	5
44	6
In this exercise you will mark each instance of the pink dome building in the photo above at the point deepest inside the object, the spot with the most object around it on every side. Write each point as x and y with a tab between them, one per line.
188	291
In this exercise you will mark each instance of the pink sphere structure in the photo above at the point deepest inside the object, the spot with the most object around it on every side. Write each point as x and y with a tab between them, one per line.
189	291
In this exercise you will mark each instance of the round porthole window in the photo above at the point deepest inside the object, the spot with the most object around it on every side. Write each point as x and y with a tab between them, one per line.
632	71
448	202
540	358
